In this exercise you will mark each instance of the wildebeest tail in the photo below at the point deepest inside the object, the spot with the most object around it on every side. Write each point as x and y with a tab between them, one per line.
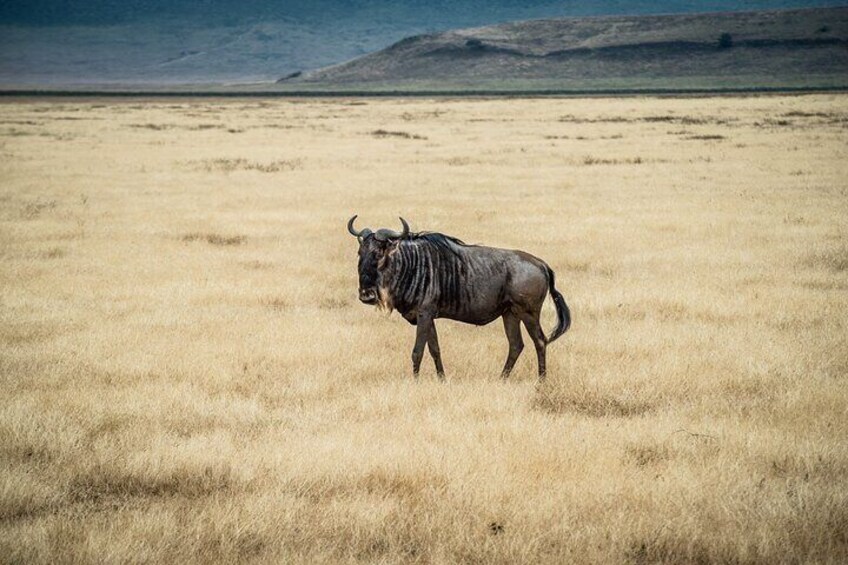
563	313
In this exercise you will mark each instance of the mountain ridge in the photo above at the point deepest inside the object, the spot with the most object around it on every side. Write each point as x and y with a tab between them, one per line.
762	47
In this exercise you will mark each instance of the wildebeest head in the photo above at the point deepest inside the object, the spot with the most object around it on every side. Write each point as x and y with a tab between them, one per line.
374	250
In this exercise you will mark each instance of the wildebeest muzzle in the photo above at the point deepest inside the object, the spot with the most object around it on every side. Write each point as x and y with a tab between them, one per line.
368	295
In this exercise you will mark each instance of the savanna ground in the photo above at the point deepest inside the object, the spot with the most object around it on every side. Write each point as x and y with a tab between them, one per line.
187	375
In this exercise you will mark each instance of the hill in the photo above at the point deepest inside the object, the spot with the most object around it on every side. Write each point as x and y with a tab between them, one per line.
793	48
145	44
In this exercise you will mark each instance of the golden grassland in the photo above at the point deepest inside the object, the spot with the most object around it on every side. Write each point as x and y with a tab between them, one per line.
187	375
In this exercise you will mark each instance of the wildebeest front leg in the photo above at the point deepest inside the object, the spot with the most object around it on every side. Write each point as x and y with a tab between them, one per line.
516	344
433	345
422	334
534	328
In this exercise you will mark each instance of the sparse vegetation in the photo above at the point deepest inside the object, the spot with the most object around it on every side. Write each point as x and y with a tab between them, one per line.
188	127
401	134
834	259
215	239
802	114
458	161
276	303
34	208
333	303
706	137
154	127
195	380
772	122
228	165
685	120
592	160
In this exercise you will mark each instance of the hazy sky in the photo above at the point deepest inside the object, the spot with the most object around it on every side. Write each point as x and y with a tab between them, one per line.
52	12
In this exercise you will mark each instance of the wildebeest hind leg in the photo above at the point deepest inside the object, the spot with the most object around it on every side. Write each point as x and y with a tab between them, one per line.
433	345
516	344
534	328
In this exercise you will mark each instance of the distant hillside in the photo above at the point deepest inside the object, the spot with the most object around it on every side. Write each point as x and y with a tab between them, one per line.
750	49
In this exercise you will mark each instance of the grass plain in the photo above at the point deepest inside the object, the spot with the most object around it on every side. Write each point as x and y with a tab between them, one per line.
186	374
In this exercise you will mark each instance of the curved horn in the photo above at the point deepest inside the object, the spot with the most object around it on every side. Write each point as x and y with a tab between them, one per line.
352	231
405	233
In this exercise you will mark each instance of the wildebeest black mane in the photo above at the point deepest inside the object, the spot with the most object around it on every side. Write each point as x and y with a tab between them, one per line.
438	239
444	245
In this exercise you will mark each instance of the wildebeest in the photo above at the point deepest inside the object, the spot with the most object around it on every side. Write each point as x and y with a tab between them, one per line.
430	275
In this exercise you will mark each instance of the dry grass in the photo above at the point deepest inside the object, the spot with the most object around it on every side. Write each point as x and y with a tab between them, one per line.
187	375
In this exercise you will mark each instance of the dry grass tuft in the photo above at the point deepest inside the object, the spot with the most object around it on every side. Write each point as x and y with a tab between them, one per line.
333	303
592	160
706	137
686	120
215	239
152	126
53	253
32	210
834	259
275	303
257	265
802	114
102	483
644	456
595	401
401	134
458	161
227	165
17	333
